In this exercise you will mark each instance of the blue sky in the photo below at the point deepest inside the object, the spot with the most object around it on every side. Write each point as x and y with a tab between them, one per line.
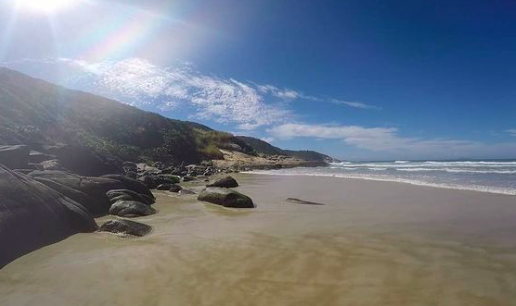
354	79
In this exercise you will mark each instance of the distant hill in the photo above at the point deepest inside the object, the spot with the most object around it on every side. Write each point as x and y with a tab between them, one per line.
263	147
39	113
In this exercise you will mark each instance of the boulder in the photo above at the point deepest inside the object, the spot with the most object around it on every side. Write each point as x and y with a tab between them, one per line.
127	195
83	160
37	157
94	207
95	187
125	227
164	187
52	164
131	184
226	182
225	197
148	199
152	181
131	209
186	192
175	188
187	178
14	157
33	215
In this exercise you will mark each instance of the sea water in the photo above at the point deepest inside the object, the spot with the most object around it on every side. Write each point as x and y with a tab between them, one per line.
494	176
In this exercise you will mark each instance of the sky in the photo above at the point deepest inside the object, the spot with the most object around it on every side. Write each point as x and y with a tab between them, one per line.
355	79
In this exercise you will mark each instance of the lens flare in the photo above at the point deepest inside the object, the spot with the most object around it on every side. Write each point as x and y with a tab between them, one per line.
47	6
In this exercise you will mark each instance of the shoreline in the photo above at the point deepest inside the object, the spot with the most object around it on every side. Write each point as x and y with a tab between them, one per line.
480	189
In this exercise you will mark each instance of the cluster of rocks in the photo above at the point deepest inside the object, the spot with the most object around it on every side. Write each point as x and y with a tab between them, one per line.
51	193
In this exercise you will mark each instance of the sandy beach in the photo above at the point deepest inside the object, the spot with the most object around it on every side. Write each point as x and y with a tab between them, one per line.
371	243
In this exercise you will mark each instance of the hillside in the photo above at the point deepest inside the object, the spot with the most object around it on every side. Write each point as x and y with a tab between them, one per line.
39	113
263	147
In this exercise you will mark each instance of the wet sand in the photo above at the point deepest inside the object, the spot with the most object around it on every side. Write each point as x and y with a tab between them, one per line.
371	243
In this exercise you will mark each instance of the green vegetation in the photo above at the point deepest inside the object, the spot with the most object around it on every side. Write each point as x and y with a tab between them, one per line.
38	113
266	148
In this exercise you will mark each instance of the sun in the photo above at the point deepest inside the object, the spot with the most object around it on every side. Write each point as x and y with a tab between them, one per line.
46	6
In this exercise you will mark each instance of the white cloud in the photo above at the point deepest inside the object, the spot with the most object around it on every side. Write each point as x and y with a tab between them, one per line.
511	132
221	100
388	140
268	139
355	104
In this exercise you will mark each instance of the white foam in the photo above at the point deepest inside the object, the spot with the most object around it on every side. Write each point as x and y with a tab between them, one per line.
472	187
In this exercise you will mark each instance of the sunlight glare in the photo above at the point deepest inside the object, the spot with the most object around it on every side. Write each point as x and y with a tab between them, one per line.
47	6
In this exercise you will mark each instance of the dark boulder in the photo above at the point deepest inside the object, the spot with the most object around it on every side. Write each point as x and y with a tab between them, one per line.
52	164
95	187
37	157
226	198
33	215
127	195
152	181
187	178
175	188
131	209
164	187
131	184
148	199
125	227
131	174
14	157
95	207
83	160
186	192
226	182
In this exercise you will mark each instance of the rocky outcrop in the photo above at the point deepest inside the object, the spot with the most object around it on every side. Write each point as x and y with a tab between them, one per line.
83	160
93	205
95	187
33	215
225	197
131	184
131	209
14	157
125	227
226	182
127	195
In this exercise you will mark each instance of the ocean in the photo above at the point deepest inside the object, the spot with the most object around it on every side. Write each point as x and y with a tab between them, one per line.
493	176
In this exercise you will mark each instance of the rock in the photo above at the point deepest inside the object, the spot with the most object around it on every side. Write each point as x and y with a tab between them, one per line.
95	187
186	192
164	187
94	207
127	195
131	184
131	174
52	164
226	182
83	160
33	215
187	178
225	197
37	157
148	199
131	209
129	166
175	188
125	227
154	180
14	157
298	201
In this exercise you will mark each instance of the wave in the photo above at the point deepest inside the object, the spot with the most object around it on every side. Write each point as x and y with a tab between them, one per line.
473	187
452	170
